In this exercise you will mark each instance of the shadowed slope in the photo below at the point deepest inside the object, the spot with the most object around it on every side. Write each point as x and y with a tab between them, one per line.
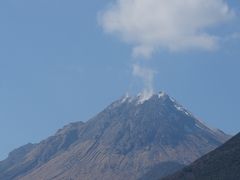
221	164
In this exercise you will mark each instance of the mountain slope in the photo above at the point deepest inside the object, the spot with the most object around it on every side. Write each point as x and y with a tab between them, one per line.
31	156
161	170
127	139
221	164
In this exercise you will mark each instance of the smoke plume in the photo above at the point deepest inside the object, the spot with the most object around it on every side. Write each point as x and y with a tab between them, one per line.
173	25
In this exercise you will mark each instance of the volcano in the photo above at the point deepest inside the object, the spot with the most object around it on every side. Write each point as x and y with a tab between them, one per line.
129	138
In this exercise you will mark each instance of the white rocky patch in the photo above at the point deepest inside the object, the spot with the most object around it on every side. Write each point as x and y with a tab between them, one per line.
144	96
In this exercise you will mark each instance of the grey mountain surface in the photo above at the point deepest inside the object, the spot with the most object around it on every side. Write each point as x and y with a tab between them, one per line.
220	164
124	141
162	170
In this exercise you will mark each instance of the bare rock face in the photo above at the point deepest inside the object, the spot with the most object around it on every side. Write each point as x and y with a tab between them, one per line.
124	141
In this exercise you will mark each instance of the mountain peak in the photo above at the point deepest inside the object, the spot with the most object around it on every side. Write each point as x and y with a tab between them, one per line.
143	97
157	99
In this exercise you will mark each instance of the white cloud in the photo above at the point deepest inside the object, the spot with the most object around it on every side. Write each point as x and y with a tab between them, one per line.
175	25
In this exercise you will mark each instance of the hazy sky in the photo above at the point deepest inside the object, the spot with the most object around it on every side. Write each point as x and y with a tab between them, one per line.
63	61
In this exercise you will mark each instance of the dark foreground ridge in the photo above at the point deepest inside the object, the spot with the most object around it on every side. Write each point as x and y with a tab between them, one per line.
220	164
131	137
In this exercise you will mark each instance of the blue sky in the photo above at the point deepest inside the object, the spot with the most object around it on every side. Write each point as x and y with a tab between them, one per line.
58	66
